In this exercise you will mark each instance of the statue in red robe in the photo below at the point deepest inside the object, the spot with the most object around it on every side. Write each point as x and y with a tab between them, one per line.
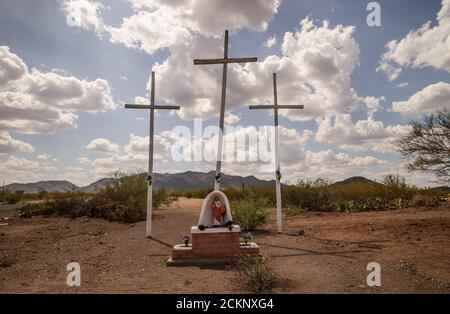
218	211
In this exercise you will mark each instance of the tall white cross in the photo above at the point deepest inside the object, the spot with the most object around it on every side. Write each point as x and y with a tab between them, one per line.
275	106
152	108
225	62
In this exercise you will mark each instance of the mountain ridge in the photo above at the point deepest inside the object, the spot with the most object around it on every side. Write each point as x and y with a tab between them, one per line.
176	181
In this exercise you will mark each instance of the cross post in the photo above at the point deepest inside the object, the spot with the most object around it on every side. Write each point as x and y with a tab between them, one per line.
152	107
275	107
225	62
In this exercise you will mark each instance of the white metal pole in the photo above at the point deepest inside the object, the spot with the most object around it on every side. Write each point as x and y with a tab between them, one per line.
222	115
277	159
149	210
150	161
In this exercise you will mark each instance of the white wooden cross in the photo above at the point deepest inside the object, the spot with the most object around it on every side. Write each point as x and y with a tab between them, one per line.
225	62
275	106
152	108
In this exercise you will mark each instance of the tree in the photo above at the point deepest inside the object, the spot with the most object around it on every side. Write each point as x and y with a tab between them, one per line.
427	143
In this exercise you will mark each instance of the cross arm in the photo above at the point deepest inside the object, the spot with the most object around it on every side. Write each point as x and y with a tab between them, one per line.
226	60
135	106
276	107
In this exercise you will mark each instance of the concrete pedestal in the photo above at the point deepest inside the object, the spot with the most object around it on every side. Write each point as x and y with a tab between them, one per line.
211	246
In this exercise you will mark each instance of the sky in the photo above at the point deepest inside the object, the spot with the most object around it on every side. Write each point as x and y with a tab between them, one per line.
68	66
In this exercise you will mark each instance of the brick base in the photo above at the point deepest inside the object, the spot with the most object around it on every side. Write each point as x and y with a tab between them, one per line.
214	245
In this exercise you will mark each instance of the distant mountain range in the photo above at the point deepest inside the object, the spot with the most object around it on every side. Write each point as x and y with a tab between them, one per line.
48	186
175	181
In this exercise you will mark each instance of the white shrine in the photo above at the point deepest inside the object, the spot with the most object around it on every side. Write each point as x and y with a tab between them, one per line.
212	241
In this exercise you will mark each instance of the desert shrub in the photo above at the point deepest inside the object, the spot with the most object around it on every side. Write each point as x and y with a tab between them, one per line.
307	195
421	200
114	210
124	198
129	189
42	194
263	191
11	197
255	274
72	206
161	197
396	187
234	194
250	213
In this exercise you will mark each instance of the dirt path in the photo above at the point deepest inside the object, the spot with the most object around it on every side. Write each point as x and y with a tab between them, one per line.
412	246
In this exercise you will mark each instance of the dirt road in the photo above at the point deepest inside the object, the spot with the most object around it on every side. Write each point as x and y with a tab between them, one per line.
411	245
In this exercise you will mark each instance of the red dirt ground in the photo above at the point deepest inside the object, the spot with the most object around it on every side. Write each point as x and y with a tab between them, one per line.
411	245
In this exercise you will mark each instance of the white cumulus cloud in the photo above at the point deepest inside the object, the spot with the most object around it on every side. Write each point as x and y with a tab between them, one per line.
432	97
426	46
102	145
364	135
84	14
43	102
270	42
9	145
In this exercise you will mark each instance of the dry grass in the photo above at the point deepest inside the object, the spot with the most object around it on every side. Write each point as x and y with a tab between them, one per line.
255	274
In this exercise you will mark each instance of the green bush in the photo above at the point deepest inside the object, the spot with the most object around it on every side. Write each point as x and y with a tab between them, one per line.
249	213
255	274
129	189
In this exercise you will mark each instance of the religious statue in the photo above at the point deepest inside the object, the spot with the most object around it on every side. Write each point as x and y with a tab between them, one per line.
215	212
218	211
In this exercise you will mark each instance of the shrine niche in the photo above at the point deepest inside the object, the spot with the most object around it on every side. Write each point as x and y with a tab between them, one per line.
215	239
216	203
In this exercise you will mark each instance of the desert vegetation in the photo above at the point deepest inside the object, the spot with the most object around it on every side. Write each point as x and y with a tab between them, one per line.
11	197
250	213
123	199
355	195
255	274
